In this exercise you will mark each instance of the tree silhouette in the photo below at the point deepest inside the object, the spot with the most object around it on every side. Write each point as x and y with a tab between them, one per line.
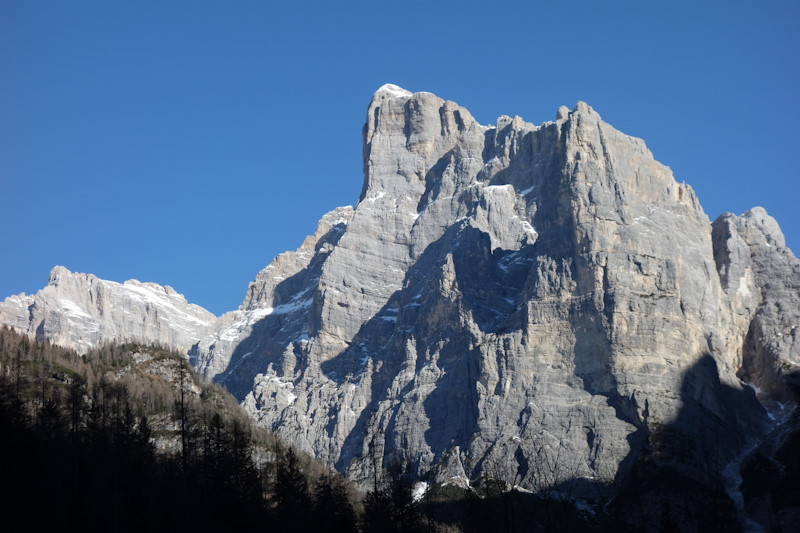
292	496
333	511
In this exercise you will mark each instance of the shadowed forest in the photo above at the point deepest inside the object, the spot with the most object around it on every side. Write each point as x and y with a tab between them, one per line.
129	438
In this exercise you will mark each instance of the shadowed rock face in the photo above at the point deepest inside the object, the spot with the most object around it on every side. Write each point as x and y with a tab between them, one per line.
505	293
498	291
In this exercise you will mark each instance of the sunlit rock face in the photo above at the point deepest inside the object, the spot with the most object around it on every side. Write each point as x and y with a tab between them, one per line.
81	311
761	279
503	292
510	299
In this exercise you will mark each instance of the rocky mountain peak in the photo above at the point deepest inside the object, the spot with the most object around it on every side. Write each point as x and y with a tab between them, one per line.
57	273
421	127
497	293
765	226
82	311
494	286
761	278
391	91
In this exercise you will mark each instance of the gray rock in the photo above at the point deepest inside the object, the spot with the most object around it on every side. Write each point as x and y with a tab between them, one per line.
501	296
761	277
538	302
81	311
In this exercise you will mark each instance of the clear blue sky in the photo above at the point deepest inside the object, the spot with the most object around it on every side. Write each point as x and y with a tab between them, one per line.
188	143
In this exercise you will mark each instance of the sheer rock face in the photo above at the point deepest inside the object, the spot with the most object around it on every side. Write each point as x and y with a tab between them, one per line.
81	311
500	297
502	291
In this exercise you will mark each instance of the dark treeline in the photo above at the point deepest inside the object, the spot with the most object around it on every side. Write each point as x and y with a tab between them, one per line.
102	443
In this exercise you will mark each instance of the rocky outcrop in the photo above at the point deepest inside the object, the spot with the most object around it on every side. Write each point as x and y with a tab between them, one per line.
275	313
761	278
505	293
81	311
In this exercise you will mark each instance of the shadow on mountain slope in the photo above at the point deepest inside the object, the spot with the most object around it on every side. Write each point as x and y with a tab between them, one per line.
770	473
678	478
673	474
271	335
457	278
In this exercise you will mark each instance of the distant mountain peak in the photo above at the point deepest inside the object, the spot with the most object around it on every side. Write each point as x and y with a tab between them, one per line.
82	311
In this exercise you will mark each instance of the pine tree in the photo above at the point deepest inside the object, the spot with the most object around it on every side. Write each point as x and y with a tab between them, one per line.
291	492
392	508
333	510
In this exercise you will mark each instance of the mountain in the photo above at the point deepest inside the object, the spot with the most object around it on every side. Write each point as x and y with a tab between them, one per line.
510	288
502	299
82	312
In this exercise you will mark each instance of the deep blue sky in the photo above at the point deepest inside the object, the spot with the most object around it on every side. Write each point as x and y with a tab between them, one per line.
188	143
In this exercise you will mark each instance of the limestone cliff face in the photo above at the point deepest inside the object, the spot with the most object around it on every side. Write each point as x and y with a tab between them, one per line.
506	298
81	311
503	291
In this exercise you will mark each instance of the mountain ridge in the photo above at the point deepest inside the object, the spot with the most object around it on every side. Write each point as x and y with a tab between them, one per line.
504	291
82	311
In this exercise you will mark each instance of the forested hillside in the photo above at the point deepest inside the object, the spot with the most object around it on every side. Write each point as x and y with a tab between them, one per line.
127	438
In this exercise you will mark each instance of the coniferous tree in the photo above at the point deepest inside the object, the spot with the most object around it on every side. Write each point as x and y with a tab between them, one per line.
392	507
77	392
50	421
292	497
333	510
246	481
